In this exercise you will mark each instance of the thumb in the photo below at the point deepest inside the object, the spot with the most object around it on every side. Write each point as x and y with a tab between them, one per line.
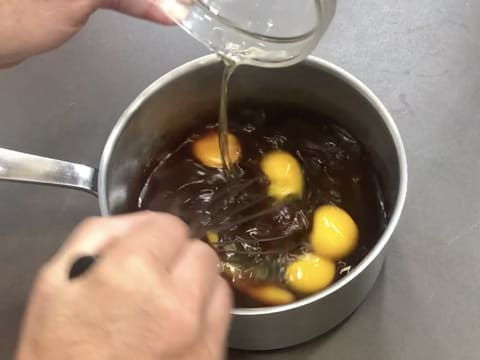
160	11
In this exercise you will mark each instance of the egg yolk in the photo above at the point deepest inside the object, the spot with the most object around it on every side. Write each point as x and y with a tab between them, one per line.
266	294
212	237
207	149
334	234
309	274
284	173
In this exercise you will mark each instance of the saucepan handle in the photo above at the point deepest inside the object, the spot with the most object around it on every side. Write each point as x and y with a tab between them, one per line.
18	166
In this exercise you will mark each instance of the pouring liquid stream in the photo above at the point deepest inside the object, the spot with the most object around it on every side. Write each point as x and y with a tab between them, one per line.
228	70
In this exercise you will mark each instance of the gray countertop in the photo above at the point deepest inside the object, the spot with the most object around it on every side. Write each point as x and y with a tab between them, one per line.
422	58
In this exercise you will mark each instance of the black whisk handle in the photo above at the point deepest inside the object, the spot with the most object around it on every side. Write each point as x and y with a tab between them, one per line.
81	265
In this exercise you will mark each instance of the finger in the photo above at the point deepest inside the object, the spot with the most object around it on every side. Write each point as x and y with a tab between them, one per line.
158	239
154	10
91	237
218	318
93	234
10	64
195	273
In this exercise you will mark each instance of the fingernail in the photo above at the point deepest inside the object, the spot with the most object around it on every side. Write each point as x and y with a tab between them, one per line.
174	9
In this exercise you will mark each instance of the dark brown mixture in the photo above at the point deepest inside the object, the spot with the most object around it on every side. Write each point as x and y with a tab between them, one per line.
256	234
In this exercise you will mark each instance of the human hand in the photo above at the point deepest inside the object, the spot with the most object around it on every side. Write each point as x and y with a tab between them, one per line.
153	294
30	27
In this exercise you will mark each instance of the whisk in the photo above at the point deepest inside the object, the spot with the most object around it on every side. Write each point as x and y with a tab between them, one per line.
228	209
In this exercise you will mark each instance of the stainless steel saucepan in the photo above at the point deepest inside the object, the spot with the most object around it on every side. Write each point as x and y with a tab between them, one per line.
173	102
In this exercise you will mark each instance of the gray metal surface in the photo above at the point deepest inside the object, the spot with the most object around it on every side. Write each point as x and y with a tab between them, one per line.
420	57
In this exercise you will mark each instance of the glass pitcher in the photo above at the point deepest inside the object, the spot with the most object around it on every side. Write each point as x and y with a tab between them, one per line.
266	33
